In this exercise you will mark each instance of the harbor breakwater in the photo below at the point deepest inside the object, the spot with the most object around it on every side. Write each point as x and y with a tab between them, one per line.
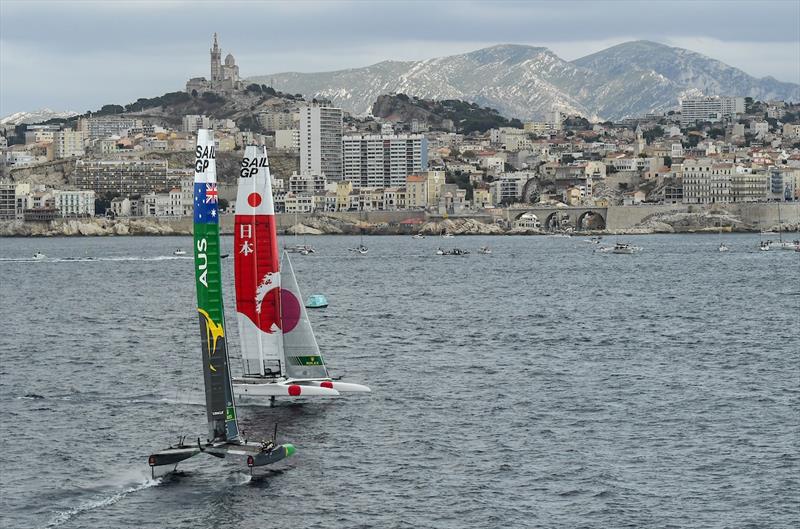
678	218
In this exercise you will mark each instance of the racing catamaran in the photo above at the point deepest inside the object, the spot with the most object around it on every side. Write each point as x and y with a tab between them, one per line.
224	437
280	354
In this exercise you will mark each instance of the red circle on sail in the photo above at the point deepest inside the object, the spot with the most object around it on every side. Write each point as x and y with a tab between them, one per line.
254	199
290	311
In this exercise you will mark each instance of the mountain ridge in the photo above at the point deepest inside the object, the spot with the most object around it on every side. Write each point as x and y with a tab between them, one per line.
525	81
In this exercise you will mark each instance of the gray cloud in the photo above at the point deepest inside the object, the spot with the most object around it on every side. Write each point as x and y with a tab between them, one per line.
79	55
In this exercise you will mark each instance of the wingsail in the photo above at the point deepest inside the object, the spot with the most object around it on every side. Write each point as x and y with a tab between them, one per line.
224	437
220	407
280	353
256	265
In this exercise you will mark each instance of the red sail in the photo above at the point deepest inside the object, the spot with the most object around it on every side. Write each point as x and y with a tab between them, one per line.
257	266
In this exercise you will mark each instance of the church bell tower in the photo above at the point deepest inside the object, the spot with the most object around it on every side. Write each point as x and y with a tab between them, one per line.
216	63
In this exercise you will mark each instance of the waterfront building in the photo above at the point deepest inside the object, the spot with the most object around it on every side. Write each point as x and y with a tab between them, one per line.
307	183
74	203
8	201
713	108
706	182
298	202
163	204
124	177
784	183
383	160
452	200
749	186
343	190
321	141
417	191
528	221
481	198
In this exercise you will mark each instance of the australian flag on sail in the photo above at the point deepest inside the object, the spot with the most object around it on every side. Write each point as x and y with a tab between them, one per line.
205	203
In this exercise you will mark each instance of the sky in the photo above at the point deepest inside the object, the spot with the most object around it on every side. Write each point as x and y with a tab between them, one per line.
79	54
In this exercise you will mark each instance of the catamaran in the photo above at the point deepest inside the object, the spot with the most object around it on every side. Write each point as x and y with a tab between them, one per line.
224	437
280	354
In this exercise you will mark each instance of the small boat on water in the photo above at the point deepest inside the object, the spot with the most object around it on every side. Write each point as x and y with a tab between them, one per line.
722	247
418	236
179	252
360	249
39	256
786	245
485	250
447	235
764	246
454	251
624	248
302	249
316	301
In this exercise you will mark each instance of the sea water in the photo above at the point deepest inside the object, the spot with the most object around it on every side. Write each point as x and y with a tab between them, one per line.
544	385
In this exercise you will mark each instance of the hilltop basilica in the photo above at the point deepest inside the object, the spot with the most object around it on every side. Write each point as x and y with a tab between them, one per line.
224	77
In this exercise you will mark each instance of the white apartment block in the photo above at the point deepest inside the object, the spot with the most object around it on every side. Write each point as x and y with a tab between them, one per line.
287	139
74	203
707	182
713	108
321	141
307	183
508	187
163	204
68	143
383	160
194	122
103	127
299	202
749	186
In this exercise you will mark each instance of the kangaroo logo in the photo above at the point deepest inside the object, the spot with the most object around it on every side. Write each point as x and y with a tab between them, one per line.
214	332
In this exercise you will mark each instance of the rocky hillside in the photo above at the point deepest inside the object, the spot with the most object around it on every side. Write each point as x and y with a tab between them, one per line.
525	81
466	117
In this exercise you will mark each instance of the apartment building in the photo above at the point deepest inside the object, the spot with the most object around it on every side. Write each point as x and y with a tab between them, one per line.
713	108
74	203
68	143
125	177
707	182
383	160
321	141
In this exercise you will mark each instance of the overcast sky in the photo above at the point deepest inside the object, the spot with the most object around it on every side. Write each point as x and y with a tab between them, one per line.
78	55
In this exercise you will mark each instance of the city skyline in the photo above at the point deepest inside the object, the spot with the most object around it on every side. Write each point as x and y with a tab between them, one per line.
151	48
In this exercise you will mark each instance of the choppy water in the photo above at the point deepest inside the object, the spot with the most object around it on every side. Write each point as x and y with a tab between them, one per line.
541	386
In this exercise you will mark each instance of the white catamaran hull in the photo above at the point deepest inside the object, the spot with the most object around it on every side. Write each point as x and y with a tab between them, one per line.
342	387
278	389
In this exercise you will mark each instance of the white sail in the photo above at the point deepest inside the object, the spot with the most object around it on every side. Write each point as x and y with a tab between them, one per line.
302	357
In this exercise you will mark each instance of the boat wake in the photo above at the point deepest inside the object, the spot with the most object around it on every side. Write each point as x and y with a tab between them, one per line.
65	516
93	259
